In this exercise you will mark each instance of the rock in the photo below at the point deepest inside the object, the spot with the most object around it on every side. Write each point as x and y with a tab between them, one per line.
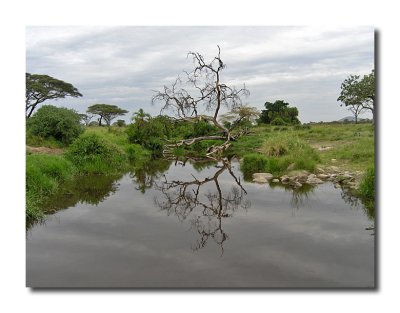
333	160
296	184
323	176
262	177
275	180
314	180
334	169
291	167
337	185
311	176
285	179
320	170
298	175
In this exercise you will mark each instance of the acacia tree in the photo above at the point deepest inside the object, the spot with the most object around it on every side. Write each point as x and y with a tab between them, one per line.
108	112
240	117
358	93
40	88
205	92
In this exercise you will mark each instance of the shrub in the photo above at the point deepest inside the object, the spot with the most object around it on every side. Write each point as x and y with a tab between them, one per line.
60	123
93	154
151	134
136	152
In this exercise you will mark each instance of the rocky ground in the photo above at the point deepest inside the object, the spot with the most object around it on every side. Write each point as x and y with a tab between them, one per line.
296	179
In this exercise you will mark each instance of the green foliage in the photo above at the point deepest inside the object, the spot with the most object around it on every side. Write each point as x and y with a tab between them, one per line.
279	113
61	124
254	163
358	92
278	121
120	123
367	186
150	133
136	152
278	152
44	173
40	88
106	112
94	154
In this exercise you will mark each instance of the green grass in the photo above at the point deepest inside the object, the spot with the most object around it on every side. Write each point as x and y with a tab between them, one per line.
44	173
279	152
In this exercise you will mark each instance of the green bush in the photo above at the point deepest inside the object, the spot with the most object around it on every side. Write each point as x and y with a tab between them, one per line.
136	152
94	154
61	124
151	133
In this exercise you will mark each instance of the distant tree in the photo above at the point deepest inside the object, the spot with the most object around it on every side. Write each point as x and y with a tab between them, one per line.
358	93
40	88
119	123
85	118
140	117
279	110
243	116
106	112
60	123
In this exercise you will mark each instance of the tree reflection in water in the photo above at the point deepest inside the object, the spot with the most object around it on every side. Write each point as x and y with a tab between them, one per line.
144	173
204	201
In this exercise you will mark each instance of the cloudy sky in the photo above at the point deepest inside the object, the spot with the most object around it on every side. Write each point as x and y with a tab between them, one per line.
124	65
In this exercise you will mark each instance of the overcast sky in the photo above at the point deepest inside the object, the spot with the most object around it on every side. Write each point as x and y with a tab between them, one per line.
124	65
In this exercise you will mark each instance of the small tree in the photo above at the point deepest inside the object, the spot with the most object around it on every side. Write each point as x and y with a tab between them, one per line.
279	109
358	93
40	88
107	112
60	123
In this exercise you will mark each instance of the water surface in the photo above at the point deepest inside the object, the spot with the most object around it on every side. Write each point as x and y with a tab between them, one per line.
199	225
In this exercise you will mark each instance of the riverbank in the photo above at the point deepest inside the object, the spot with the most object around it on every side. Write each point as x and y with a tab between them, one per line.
342	153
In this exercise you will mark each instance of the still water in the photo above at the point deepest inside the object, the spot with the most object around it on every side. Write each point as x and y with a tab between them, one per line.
199	225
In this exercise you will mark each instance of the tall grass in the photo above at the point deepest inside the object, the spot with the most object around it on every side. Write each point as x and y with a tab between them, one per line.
278	153
44	173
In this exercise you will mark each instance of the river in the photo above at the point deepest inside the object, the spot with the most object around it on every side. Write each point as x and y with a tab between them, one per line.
174	224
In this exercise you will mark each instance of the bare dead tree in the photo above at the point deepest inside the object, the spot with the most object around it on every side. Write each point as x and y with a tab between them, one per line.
207	93
186	199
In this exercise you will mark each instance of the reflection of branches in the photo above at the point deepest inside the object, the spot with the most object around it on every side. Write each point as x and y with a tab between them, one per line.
182	198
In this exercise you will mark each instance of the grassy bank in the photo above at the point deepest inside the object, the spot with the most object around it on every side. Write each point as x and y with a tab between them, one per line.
347	146
100	150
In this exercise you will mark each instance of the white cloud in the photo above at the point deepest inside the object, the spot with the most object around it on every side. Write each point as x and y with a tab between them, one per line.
122	65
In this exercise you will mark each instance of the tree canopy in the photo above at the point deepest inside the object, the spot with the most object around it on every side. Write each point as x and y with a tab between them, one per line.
279	112
108	112
358	93
40	88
